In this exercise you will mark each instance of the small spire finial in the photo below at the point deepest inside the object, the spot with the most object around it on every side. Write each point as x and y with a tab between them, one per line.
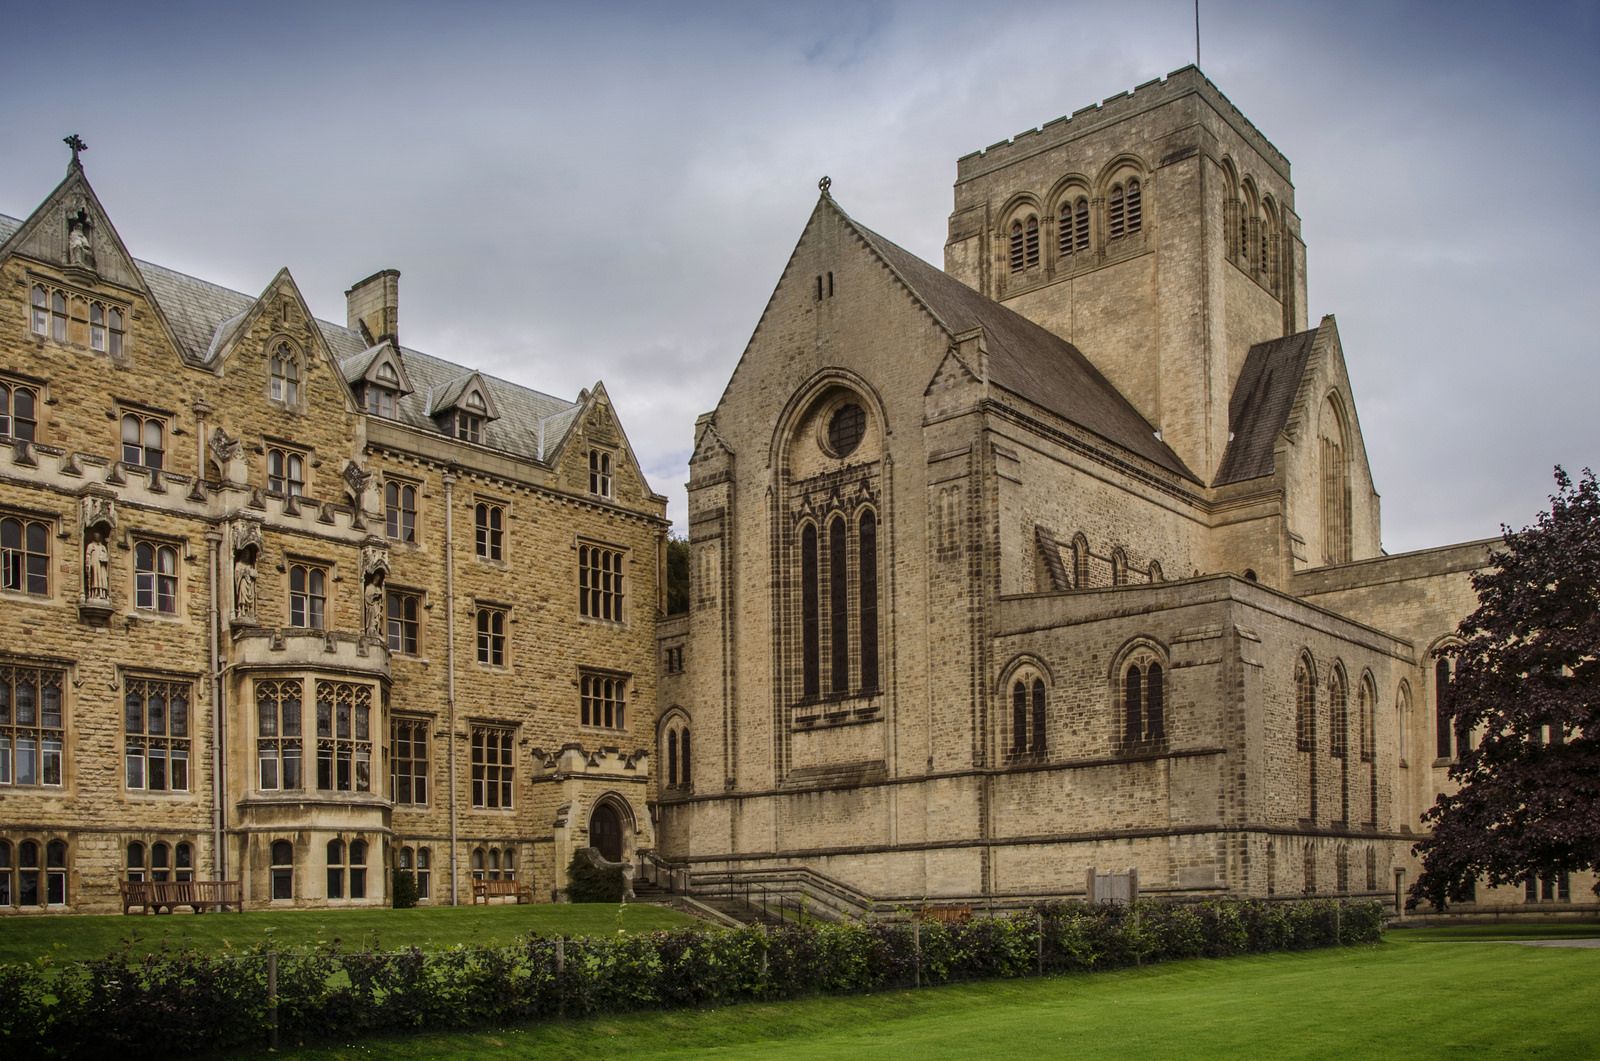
825	183
76	143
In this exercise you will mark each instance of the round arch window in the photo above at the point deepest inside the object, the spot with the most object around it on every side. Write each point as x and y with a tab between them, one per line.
846	427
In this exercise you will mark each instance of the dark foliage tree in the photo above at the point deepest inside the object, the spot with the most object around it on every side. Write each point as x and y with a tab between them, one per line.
677	575
1527	684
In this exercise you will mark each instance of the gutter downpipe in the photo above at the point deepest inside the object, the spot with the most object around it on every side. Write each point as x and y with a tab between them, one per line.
450	664
214	539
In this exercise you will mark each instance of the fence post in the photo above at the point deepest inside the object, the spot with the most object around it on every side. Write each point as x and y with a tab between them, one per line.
561	969
916	948
1038	925
272	999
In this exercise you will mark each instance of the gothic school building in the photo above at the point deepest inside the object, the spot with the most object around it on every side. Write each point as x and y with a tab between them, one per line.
1065	557
288	603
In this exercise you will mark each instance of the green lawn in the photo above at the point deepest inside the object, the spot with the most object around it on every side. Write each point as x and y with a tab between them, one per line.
71	938
1410	997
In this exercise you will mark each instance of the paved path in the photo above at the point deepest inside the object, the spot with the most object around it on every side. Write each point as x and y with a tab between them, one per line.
1556	942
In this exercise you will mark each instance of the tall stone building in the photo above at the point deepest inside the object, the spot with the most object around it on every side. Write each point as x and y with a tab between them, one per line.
288	602
1064	557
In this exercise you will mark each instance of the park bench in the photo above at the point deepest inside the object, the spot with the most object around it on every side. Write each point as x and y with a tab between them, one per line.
162	896
484	890
946	915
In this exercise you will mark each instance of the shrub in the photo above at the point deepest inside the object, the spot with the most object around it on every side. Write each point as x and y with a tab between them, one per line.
590	881
404	889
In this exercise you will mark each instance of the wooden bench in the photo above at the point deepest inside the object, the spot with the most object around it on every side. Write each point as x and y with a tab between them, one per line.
484	890
946	915
162	896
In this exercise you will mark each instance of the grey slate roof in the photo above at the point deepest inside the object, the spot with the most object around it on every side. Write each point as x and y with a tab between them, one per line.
1260	405
198	310
1026	359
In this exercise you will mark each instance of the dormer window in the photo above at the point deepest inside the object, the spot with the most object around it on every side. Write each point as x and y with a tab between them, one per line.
382	401
469	426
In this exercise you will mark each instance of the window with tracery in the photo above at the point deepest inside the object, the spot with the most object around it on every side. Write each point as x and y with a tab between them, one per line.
1144	709
400	511
284	369
1338	715
155	577
1305	704
32	725
1024	243
278	735
1124	209
156	734
19	410
1072	231
1027	717
144	440
286	471
344	737
25	555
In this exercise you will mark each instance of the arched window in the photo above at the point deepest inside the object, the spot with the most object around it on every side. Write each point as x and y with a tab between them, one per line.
1135	206
1341	868
478	863
155	579
358	869
114	320
1080	562
1025	243
336	869
686	772
25	555
1144	713
424	871
1072	234
282	869
41	310
1372	868
18	411
1366	720
810	621
1119	567
1310	868
838	608
508	864
867	578
1402	720
286	472
160	862
136	862
1116	213
1305	708
56	873
1441	708
1335	486
672	758
58	316
183	862
1338	715
285	370
400	511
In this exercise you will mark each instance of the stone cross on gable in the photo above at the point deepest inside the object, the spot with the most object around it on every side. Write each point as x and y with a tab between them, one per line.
76	143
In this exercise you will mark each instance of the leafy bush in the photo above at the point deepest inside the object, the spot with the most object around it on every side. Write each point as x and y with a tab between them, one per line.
404	889
590	881
180	1002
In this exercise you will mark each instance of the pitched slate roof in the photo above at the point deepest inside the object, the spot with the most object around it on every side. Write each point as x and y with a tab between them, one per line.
531	424
1260	405
1026	359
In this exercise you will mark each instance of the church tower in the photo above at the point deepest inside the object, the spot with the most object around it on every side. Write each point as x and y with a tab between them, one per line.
1156	231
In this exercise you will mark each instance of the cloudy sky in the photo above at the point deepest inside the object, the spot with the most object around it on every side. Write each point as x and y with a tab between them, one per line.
610	190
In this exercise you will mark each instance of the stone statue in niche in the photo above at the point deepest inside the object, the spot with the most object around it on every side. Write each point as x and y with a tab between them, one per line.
96	566
374	572
246	549
80	229
99	520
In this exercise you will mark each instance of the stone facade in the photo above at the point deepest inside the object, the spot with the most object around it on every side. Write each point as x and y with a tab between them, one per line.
289	603
1067	556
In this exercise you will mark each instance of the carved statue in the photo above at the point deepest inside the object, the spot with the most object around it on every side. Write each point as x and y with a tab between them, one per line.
80	248
96	566
246	548
374	570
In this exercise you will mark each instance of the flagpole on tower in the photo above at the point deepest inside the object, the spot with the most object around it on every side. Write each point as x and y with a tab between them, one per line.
1197	33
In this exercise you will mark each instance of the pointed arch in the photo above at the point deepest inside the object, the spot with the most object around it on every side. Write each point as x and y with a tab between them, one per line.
1334	433
1139	695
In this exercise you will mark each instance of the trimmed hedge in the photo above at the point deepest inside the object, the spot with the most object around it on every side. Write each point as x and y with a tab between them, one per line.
183	1002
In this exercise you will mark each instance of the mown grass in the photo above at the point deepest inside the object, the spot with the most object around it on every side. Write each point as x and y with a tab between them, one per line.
76	938
1404	997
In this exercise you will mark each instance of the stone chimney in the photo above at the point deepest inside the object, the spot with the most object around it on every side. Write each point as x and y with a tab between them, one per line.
373	306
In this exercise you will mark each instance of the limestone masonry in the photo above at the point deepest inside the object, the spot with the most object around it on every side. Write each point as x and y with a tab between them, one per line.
1063	558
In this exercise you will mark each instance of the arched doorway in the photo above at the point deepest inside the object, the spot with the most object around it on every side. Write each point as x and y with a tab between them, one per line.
605	831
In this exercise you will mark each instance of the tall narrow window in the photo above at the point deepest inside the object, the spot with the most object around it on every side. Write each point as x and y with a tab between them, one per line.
1444	726
686	772
400	512
403	609
336	869
156	735
40	317
1019	718
282	869
1366	722
56	873
810	624
32	727
278	747
492	636
1133	706
285	376
114	322
490	522
600	483
1305	724
1038	716
1031	242
491	767
408	760
1072	236
1338	716
1155	721
868	578
672	758
1135	206
155	578
838	609
1335	487
424	871
1117	214
600	583
1017	255
344	737
1144	714
358	869
58	316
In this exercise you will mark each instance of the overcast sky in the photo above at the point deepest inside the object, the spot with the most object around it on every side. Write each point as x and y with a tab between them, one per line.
610	191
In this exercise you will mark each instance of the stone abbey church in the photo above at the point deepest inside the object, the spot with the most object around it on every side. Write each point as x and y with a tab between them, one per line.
1065	557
